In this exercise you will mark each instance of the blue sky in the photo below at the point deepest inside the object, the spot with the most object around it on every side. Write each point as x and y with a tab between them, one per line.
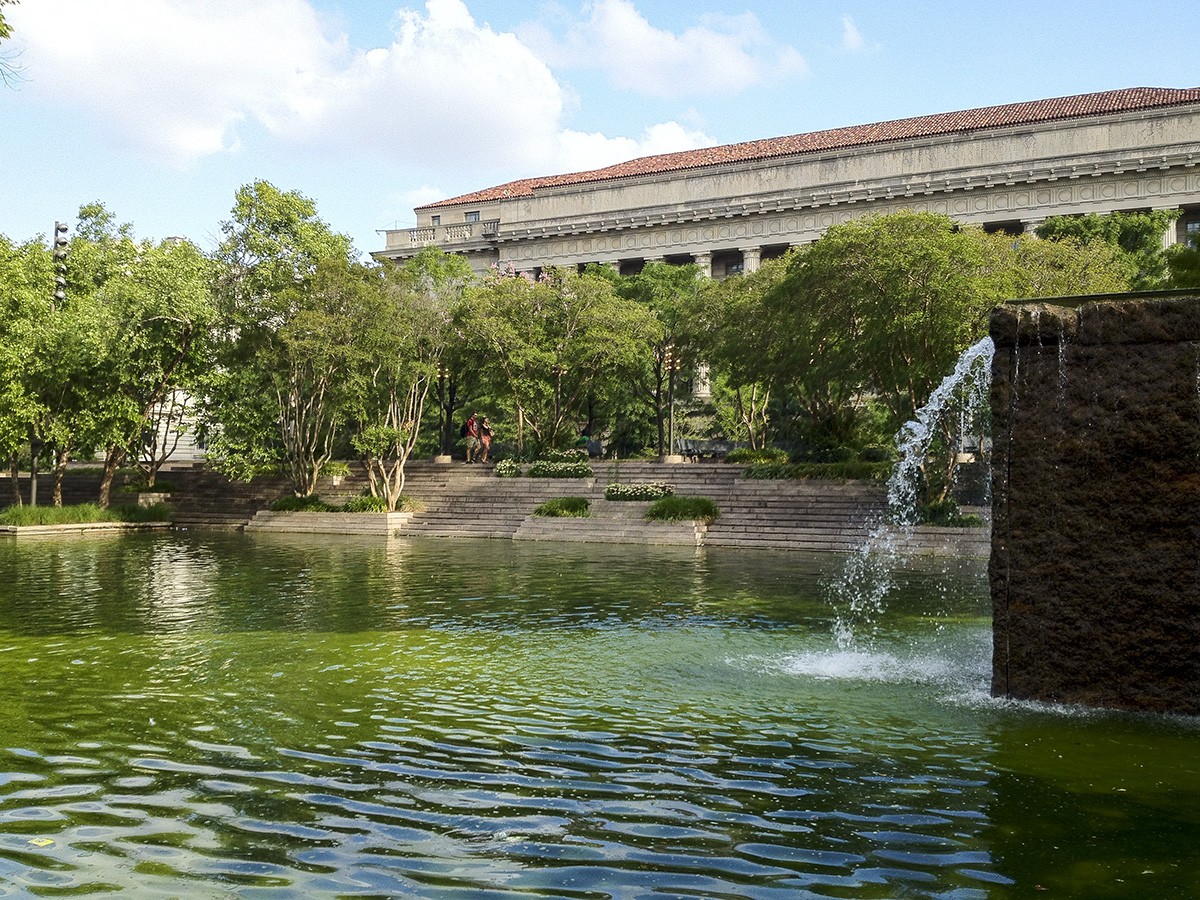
161	109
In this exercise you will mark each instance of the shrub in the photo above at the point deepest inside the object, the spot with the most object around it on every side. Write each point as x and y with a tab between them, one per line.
837	471
578	468
365	503
82	513
302	504
946	514
335	468
507	468
683	509
876	453
765	455
824	455
56	515
646	490
161	486
155	512
564	507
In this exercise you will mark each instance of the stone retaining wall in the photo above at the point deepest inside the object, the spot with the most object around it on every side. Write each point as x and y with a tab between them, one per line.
1095	568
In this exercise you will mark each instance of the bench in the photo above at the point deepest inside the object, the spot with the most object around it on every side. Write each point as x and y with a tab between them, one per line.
705	449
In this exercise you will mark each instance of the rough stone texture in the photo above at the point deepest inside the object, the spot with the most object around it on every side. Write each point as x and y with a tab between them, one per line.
1095	567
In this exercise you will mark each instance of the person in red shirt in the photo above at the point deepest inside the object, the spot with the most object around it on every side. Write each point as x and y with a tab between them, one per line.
473	443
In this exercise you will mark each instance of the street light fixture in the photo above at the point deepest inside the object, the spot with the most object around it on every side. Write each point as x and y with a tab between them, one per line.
443	373
60	262
671	363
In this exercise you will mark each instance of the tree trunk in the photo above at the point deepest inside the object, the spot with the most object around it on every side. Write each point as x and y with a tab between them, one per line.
14	478
112	461
62	457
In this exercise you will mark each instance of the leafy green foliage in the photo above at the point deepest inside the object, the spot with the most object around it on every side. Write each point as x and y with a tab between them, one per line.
291	305
644	490
683	509
854	470
310	503
746	455
553	347
1183	264
83	513
946	514
1136	236
365	503
564	507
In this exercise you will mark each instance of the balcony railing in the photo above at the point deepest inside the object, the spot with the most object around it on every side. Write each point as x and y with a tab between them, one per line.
442	235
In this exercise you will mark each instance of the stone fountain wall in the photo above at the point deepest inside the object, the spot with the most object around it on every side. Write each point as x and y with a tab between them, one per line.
1095	566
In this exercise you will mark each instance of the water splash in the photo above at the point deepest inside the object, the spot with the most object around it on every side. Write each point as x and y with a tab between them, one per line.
860	592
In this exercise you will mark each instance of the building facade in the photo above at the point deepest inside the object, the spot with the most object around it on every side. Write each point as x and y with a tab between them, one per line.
727	208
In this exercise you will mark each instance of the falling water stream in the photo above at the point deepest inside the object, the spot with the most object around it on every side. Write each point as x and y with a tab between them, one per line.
860	590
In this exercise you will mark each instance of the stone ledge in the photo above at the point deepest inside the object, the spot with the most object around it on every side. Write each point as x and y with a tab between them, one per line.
382	524
81	527
611	531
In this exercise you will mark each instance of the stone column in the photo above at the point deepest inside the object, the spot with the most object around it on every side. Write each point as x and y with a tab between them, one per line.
1169	235
1031	225
751	259
704	261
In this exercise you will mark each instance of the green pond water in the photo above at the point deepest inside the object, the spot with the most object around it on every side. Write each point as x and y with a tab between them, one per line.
199	715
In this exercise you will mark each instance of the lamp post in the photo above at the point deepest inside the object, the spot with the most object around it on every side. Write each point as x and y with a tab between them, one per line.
443	414
60	263
671	362
58	249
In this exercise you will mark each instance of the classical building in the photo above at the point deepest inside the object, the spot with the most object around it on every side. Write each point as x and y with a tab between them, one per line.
727	208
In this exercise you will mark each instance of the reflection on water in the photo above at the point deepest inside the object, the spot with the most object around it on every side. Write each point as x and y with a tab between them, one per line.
221	715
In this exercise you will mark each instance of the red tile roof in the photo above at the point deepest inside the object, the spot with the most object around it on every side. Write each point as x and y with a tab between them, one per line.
1033	111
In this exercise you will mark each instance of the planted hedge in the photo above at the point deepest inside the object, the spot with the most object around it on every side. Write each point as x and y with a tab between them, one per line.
564	507
853	470
83	514
683	509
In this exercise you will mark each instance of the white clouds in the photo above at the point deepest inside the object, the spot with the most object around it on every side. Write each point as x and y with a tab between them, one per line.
851	38
594	151
723	54
182	79
173	78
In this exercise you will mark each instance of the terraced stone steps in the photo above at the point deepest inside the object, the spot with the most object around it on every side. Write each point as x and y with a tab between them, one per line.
470	501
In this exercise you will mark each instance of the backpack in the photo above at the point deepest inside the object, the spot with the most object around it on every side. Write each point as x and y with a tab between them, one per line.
462	432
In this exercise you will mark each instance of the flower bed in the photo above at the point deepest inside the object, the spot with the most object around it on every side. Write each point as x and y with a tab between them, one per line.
646	490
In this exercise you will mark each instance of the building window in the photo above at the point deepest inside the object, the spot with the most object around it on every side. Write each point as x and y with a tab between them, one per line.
1187	226
435	220
472	216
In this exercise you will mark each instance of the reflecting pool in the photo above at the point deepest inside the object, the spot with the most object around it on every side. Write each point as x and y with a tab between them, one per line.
212	715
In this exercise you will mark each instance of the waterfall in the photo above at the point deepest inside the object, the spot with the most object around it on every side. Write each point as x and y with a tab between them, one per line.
860	591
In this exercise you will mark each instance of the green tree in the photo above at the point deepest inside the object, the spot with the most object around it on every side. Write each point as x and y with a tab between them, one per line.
881	308
1136	235
157	302
24	280
551	346
406	335
8	72
1183	264
671	294
265	406
733	331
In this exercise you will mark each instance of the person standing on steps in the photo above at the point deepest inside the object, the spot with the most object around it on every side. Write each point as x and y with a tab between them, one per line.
485	439
472	429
